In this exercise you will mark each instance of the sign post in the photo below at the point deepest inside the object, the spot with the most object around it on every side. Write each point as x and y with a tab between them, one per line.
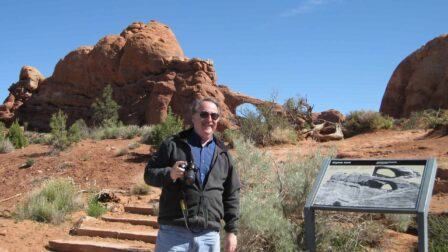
375	186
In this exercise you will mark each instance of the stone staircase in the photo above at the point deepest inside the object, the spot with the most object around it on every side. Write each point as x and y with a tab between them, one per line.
135	229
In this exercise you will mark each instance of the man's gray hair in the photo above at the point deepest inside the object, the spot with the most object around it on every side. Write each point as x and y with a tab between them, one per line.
198	102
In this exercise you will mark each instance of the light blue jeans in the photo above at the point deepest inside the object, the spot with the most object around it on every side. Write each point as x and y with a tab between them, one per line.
177	239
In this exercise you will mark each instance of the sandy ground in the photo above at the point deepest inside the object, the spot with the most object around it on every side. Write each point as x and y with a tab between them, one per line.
94	165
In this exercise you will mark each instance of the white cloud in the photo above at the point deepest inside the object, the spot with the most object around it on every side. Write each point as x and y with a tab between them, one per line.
307	6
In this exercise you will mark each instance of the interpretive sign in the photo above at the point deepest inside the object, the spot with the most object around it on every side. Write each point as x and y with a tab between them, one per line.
387	186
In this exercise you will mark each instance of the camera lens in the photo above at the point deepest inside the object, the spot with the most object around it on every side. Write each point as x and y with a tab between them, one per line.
190	174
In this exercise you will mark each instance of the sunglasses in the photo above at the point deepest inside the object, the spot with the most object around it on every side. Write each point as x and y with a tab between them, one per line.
205	114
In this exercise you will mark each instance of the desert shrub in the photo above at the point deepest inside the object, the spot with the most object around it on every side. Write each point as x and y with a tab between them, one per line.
121	151
28	163
438	233
77	131
229	135
105	109
3	131
51	202
94	207
38	138
258	126
347	232
271	215
58	125
399	222
145	132
283	135
358	122
17	136
426	119
141	189
129	131
132	146
6	146
172	124
299	112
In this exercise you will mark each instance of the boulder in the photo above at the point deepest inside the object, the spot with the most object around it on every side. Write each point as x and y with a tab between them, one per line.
419	82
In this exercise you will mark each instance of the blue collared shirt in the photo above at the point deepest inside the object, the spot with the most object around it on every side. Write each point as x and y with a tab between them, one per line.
203	156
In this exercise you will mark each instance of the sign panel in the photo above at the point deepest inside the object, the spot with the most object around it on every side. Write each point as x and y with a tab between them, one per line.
376	184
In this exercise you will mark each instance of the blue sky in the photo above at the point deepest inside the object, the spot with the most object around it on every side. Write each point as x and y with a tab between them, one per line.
338	54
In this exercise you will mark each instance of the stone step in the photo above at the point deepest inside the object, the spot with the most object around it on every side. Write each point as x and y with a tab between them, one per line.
146	221
95	246
147	210
146	236
89	226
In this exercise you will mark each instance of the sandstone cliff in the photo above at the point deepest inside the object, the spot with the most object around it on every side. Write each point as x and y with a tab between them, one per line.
420	81
145	66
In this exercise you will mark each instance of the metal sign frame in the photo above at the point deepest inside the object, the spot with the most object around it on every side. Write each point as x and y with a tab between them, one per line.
422	200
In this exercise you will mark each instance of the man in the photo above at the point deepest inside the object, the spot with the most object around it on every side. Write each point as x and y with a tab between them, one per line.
190	214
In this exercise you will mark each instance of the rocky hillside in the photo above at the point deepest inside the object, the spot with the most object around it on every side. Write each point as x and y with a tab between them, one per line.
145	66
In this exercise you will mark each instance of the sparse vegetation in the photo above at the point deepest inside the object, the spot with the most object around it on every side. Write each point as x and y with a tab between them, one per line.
59	134
266	126
28	163
132	146
51	202
105	109
399	222
271	216
438	233
78	131
17	136
94	207
141	189
121	151
358	122
426	119
3	131
6	146
172	124
348	232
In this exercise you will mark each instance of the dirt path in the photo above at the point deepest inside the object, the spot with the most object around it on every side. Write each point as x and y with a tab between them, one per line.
95	165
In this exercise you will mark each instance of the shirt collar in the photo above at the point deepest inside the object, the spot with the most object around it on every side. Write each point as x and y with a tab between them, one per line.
195	140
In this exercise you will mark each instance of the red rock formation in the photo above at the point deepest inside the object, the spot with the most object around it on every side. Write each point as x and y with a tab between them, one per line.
148	72
419	82
29	80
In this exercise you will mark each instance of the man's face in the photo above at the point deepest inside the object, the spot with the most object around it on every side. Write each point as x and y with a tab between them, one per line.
205	120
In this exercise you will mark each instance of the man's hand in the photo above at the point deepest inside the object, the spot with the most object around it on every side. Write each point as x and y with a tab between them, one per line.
230	242
177	171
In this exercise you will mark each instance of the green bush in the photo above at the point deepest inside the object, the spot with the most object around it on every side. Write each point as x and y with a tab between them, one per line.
299	112
271	216
3	131
105	109
358	122
399	222
438	232
17	136
348	232
94	207
6	146
426	119
59	133
141	189
55	199
78	131
258	126
39	138
172	125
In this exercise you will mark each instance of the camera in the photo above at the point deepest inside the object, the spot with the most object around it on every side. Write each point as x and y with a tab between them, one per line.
190	173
